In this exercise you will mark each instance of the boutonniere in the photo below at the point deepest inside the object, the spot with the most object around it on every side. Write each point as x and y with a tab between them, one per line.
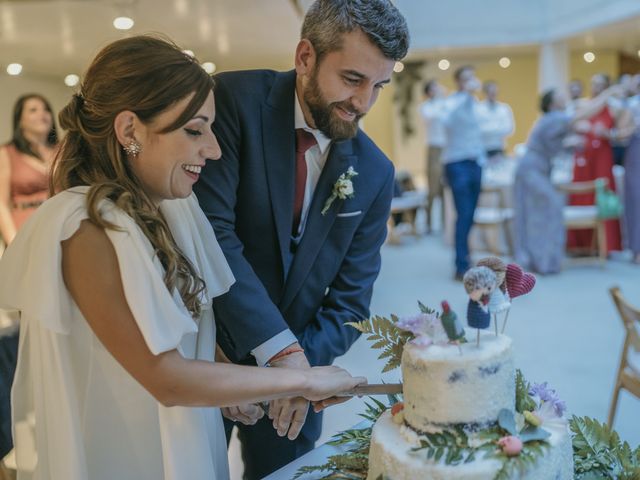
342	189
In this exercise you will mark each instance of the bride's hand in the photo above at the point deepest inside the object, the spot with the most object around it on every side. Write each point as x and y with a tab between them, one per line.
247	413
326	382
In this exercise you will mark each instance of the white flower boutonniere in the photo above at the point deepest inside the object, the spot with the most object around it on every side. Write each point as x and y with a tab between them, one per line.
342	189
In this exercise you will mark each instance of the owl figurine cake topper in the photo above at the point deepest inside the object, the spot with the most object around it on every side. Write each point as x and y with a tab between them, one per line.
499	302
480	283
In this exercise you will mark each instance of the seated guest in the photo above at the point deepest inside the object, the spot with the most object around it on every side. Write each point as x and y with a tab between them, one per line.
539	224
117	347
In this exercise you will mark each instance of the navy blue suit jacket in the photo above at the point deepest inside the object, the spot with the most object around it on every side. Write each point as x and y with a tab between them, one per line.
248	197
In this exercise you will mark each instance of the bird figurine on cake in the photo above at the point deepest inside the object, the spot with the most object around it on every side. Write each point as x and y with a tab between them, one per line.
451	325
479	282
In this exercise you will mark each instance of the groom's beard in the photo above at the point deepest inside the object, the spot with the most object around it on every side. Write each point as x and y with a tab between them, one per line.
322	112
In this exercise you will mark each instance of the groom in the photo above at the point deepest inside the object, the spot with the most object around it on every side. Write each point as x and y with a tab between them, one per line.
299	203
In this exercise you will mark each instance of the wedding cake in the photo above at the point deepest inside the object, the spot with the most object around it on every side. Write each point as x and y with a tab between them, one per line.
466	412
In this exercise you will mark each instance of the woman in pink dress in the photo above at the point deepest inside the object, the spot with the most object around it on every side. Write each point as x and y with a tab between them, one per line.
595	161
24	163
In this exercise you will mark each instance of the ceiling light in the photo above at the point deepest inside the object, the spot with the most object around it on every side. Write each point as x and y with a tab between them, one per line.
71	80
589	57
123	23
398	67
14	69
189	52
444	64
504	62
209	67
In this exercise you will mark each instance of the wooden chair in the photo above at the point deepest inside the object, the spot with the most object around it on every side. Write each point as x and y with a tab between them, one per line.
628	376
494	218
585	217
408	205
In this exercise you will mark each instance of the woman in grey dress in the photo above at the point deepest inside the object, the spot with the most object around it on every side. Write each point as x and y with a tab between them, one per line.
539	226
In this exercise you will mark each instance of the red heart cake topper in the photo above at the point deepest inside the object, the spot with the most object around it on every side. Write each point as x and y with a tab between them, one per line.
518	282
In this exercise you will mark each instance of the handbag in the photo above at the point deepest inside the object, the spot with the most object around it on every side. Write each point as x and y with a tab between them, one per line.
608	204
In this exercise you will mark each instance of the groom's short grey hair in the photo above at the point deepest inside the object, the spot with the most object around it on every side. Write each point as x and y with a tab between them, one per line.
327	20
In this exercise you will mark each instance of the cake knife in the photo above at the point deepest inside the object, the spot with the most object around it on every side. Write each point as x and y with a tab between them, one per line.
373	389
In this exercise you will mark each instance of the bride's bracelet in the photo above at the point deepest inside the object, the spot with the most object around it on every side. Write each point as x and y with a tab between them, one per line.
283	353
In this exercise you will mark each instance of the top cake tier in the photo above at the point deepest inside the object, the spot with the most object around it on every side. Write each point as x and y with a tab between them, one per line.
442	387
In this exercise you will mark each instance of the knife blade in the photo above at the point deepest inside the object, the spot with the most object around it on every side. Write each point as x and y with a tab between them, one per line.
373	389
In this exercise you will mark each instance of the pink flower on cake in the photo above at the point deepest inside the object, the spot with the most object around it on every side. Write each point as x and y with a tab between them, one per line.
426	327
510	445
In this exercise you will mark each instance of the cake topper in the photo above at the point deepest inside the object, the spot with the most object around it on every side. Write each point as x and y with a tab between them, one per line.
499	301
451	325
518	283
479	282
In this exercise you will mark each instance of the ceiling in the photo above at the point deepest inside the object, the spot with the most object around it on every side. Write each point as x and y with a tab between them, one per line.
54	38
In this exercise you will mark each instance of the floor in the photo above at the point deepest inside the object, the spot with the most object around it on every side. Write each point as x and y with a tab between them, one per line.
566	332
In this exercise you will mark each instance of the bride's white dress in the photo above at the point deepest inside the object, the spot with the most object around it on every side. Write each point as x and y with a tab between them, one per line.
93	421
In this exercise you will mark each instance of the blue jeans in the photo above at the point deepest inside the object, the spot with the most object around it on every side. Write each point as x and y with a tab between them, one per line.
464	179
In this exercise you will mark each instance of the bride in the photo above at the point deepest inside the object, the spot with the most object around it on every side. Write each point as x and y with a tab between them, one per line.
114	277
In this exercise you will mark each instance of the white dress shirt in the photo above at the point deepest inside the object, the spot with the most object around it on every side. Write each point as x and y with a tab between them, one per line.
461	121
432	112
316	157
496	124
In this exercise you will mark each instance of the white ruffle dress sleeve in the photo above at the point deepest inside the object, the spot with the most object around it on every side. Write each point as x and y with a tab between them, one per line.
90	419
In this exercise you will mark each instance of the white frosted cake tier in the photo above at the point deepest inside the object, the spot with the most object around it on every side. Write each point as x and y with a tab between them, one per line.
442	386
392	457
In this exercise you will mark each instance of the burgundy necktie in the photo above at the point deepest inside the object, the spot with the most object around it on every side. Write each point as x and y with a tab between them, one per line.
304	141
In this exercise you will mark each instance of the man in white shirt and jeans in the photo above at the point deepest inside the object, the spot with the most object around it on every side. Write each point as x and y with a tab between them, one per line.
462	159
432	111
496	121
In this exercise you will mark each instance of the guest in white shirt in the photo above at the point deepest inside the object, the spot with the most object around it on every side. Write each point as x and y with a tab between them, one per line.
432	111
496	121
463	155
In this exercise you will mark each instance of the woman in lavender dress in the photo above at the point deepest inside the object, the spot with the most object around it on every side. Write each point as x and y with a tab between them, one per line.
632	184
539	227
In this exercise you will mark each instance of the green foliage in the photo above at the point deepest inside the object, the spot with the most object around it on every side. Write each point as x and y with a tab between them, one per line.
450	446
517	466
599	453
354	462
386	336
524	402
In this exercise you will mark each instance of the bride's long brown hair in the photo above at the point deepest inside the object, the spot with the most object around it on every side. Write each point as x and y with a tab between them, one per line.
145	75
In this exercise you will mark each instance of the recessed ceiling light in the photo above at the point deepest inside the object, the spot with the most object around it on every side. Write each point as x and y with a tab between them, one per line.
398	67
209	67
189	52
444	64
123	23
504	62
589	57
14	69
71	80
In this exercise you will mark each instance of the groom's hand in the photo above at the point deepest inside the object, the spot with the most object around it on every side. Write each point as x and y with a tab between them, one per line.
289	414
247	413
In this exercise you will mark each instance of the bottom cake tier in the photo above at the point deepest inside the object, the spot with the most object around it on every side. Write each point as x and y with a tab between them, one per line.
391	457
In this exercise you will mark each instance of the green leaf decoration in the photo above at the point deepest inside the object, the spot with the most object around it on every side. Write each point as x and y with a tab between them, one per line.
507	421
599	453
531	433
386	337
524	401
425	309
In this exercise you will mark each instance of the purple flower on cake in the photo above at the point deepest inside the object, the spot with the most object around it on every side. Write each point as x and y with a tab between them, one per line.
426	328
545	395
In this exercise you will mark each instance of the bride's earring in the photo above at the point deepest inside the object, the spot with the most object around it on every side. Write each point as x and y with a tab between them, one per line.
133	148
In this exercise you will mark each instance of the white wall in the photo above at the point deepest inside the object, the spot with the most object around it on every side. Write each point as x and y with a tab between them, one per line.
461	23
53	90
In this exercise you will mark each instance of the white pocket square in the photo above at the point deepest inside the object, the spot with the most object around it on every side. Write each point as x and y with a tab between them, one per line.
349	214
